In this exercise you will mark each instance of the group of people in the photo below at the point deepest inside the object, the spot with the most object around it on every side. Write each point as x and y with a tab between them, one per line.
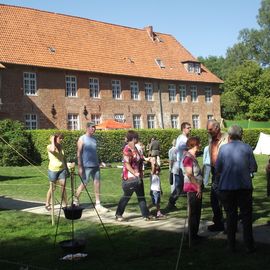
232	165
88	166
230	161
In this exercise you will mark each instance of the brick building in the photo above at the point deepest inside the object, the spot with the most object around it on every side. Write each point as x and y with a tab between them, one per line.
59	71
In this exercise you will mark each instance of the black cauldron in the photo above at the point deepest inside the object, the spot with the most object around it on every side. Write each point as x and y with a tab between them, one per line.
73	212
73	246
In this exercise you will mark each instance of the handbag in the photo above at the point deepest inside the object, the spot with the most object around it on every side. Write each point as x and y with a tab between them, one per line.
171	178
190	187
134	180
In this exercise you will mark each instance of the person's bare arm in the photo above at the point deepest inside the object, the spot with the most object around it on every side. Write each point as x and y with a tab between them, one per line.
79	156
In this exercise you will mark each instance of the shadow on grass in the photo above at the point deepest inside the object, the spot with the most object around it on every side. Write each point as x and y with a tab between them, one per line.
8	178
133	249
15	204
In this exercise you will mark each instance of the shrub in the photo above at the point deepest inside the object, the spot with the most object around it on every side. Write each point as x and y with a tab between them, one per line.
32	143
15	144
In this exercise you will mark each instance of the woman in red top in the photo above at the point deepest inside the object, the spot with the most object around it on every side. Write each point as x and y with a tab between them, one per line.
193	186
132	177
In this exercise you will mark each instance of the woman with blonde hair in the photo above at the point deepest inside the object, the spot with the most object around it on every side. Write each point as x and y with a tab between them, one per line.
57	169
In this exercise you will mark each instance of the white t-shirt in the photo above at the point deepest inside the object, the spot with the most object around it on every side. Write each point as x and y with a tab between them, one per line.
155	183
180	148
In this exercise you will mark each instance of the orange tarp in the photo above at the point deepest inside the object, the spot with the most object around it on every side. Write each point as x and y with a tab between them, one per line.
111	124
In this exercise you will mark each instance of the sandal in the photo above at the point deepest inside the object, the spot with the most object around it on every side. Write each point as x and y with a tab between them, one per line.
48	207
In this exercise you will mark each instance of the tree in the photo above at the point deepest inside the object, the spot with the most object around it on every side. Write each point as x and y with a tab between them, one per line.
240	88
254	44
14	143
259	108
215	64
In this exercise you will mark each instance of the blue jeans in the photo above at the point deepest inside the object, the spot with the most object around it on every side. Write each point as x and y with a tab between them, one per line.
129	187
206	174
179	183
215	201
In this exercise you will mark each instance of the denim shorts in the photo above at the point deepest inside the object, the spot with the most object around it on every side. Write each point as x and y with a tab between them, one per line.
155	196
93	172
54	176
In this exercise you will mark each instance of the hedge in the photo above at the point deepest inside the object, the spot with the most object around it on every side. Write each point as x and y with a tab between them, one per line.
110	142
32	143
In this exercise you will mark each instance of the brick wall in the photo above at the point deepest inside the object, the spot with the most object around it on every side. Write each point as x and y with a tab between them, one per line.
51	90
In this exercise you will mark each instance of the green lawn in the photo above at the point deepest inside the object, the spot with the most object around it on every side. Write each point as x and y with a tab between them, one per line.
31	183
28	240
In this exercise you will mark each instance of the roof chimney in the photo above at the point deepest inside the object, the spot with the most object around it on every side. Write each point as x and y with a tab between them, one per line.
149	30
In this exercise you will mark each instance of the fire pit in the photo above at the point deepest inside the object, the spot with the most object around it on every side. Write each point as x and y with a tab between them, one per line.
73	212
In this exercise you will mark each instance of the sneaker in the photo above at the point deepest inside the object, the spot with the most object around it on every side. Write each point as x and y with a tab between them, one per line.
76	201
119	218
160	216
101	208
149	218
215	228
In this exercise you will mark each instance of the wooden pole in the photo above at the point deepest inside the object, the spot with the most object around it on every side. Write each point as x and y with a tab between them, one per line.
52	202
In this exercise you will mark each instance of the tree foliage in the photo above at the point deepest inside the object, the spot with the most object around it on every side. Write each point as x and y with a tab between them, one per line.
15	144
215	64
245	71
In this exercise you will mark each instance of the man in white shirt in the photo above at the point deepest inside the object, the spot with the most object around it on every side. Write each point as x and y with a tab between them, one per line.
180	148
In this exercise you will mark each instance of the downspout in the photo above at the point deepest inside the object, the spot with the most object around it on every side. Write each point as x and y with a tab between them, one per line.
1	102
160	106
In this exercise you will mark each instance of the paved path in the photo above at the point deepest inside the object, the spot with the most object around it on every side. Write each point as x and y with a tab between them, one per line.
261	232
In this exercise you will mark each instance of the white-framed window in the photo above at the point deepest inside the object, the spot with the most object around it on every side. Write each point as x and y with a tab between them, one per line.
94	87
172	92
73	121
160	63
134	90
71	86
194	93
30	121
151	121
183	93
137	121
208	95
119	117
148	88
210	116
196	121
116	89
95	118
197	68
30	83
193	67
174	121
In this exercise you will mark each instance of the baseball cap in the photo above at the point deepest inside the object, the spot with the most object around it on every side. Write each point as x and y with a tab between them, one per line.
90	124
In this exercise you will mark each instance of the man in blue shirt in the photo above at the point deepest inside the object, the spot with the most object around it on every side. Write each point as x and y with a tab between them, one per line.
235	166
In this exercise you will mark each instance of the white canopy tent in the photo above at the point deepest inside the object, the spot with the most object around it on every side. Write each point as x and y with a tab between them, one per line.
263	145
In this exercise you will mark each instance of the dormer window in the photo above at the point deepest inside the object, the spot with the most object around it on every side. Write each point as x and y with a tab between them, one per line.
193	67
159	63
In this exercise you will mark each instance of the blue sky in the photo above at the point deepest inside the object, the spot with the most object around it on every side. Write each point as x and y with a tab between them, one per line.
204	27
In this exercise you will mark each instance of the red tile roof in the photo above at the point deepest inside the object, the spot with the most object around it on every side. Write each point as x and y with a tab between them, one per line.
39	38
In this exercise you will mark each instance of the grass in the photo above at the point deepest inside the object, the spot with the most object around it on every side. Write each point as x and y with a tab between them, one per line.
27	240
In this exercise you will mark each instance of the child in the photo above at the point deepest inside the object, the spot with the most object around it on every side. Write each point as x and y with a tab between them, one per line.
155	191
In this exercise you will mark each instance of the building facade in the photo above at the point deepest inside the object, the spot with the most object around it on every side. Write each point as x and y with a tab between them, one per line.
59	71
